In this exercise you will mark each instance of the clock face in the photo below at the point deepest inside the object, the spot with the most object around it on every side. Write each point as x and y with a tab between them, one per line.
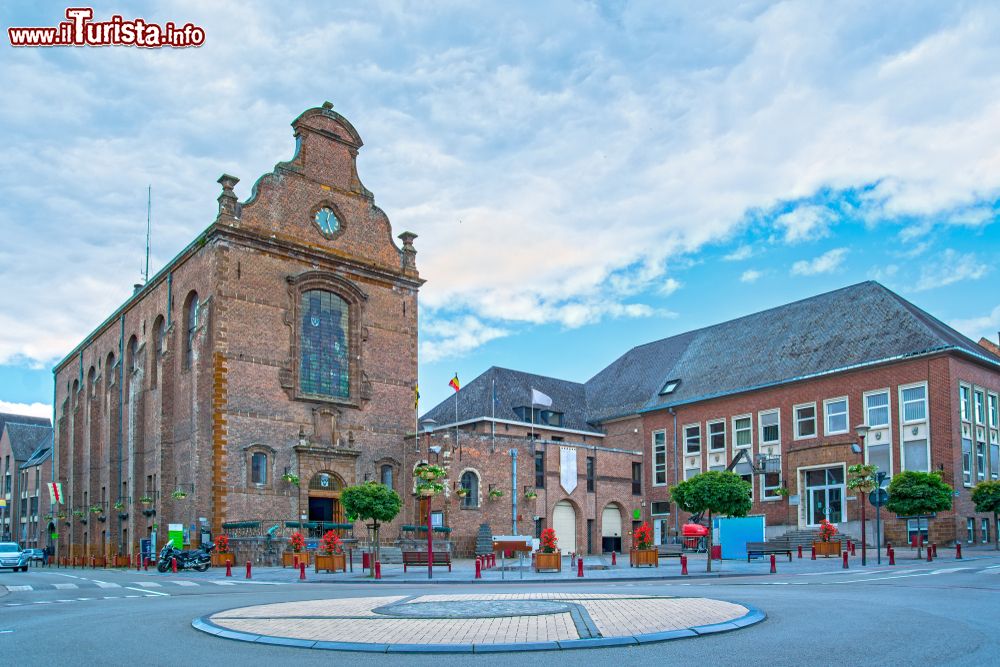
327	220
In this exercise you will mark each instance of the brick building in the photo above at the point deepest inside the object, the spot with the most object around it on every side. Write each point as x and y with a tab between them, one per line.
789	384
270	363
25	450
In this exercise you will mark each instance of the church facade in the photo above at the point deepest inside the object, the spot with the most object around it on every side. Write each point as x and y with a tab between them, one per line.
269	364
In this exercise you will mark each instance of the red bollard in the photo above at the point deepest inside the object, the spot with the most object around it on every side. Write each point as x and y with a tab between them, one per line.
229	568
845	560
173	565
774	566
295	561
614	558
366	561
479	568
958	550
93	561
302	571
493	559
579	567
930	554
814	552
378	570
138	562
854	549
800	551
934	547
248	569
145	565
684	564
892	556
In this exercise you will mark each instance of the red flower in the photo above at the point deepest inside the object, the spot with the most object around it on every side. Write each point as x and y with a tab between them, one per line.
826	530
643	537
222	544
331	543
298	542
549	541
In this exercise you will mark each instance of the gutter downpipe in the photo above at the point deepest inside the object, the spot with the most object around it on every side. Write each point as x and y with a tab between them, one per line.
121	407
677	516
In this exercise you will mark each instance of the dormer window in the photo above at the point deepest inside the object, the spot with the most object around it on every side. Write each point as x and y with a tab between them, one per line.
669	387
539	416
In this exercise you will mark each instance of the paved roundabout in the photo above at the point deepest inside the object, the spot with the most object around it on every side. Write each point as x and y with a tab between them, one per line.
478	623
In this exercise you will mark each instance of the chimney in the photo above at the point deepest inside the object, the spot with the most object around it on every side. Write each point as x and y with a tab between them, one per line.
136	288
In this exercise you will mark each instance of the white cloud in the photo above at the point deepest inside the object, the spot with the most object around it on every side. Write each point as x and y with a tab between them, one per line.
741	253
828	262
950	267
27	409
456	337
805	223
750	276
669	286
985	326
884	273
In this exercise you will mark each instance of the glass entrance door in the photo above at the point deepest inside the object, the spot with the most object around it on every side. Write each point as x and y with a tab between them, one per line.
825	491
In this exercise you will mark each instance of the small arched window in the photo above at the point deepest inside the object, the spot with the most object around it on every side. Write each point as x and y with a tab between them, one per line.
324	359
258	468
109	371
130	354
470	482
191	313
91	377
154	370
385	474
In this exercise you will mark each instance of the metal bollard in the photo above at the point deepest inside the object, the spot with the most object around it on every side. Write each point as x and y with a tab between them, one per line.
958	550
579	567
138	562
814	553
930	554
479	568
248	569
173	565
684	564
366	560
845	560
614	558
854	549
892	556
934	547
378	570
800	551
295	561
145	565
229	568
302	571
774	565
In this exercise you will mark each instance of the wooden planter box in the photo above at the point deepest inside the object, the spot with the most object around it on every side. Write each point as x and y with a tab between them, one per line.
551	562
827	549
219	560
288	558
644	558
331	563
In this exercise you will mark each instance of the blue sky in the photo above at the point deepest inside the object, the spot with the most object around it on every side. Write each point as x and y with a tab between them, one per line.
583	176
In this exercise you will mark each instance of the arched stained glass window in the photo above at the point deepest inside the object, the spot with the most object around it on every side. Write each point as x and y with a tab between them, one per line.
324	368
470	482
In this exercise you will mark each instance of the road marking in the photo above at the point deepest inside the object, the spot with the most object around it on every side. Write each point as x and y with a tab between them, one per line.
65	600
105	584
43	602
71	576
186	583
19	588
147	591
950	569
5	632
64	586
150	584
223	583
81	599
131	596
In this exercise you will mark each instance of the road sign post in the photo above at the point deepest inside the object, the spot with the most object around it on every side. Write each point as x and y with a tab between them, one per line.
878	497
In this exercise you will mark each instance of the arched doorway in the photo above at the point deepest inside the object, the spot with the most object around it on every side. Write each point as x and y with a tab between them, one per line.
564	523
611	529
324	497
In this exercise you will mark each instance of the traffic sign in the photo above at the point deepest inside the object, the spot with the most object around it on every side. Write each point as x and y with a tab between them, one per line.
878	497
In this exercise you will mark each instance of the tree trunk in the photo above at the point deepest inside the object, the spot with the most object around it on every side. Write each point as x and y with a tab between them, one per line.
375	553
708	541
996	526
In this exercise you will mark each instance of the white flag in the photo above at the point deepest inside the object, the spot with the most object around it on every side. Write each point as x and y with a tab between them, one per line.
538	398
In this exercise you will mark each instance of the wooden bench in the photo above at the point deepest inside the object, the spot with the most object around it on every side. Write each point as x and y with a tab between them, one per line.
420	558
768	548
670	550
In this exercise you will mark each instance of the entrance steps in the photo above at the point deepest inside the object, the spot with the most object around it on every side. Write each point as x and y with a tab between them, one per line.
805	537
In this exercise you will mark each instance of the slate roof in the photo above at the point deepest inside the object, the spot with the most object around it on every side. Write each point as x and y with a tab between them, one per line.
25	439
6	417
852	326
41	454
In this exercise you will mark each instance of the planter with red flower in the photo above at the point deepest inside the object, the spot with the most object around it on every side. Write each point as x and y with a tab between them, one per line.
331	556
826	546
222	555
643	553
297	544
548	557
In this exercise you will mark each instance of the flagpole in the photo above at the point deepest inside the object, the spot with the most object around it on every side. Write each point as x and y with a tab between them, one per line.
493	423
456	424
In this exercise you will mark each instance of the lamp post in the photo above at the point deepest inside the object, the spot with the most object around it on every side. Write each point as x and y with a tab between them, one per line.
862	431
428	425
879	479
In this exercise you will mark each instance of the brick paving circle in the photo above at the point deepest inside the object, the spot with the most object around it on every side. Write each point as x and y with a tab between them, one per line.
479	623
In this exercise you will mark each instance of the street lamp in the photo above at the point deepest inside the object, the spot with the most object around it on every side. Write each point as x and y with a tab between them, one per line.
862	431
428	426
879	480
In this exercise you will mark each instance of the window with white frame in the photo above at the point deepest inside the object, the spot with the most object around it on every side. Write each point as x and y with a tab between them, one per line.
691	472
745	472
659	507
994	417
915	456
984	532
835	410
994	461
692	439
964	402
770	427
980	461
659	458
967	461
980	406
914	403
970	527
805	421
717	434
877	409
742	431
915	528
879	455
771	482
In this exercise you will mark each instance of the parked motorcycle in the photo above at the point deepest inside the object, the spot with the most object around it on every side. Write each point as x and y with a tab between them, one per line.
198	560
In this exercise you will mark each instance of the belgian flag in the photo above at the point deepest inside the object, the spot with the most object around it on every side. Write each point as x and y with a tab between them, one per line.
454	382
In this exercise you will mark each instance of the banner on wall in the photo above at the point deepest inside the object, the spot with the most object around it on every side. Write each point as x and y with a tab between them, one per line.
567	468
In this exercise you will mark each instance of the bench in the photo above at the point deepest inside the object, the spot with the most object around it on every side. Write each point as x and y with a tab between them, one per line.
670	550
420	558
768	548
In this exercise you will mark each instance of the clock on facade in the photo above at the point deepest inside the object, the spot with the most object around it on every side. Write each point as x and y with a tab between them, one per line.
327	220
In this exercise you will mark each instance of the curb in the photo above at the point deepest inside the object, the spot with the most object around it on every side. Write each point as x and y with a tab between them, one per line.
492	582
752	617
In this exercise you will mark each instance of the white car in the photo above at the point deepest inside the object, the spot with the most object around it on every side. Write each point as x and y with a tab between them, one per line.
12	556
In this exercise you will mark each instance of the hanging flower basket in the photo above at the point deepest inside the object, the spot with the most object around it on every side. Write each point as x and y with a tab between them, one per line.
530	495
119	505
146	499
429	472
428	489
96	509
496	494
291	478
461	492
179	494
79	514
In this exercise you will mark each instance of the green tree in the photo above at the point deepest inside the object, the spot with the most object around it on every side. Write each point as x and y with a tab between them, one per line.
913	493
716	493
373	502
986	496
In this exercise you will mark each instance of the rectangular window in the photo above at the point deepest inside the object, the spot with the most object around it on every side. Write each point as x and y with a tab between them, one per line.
970	528
745	472
916	528
636	479
590	473
994	461
539	527
993	414
964	402
914	403
984	531
770	428
915	456
877	409
836	415
879	455
717	434
691	472
743	431
805	421
659	458
692	439
540	469
772	482
980	406
967	461
258	468
980	461
659	507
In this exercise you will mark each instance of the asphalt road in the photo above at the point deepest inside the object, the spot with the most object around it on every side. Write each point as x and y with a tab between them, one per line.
915	614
